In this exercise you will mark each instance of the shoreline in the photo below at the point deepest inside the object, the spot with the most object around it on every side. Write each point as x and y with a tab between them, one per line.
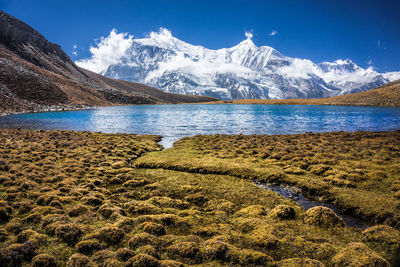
299	102
48	109
66	108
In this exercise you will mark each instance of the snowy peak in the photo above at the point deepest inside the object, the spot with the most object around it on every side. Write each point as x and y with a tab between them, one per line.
246	44
242	71
164	39
339	65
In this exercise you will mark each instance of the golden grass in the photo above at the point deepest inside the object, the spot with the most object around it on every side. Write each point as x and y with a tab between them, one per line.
86	199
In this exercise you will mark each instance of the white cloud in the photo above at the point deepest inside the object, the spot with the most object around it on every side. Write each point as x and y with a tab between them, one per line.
163	33
109	50
273	33
378	43
300	68
248	35
74	52
201	67
370	62
392	76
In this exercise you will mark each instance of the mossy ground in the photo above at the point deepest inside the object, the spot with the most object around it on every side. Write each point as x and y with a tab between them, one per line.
80	199
357	172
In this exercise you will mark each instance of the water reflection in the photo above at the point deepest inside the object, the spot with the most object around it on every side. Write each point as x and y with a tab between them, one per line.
176	121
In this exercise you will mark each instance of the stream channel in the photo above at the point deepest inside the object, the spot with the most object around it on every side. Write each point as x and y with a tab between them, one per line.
293	193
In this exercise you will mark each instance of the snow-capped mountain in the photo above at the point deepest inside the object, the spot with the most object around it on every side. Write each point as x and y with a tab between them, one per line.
242	71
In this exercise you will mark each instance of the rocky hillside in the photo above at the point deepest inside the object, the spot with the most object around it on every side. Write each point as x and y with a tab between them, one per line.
36	74
385	96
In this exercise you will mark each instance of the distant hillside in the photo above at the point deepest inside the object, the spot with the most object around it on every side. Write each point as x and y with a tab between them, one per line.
36	74
384	96
387	95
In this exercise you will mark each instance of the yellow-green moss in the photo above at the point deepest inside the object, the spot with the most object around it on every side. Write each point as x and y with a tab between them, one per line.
141	260
322	216
153	228
283	212
78	260
63	197
252	211
299	262
358	254
44	260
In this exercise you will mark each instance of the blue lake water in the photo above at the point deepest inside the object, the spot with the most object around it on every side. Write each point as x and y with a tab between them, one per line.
176	121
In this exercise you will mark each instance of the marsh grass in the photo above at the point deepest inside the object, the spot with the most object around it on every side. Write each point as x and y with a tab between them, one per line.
358	172
93	199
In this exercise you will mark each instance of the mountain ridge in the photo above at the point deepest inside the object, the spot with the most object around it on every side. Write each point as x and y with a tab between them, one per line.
241	71
387	95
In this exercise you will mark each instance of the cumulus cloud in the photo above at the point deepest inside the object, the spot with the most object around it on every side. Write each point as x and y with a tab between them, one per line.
300	68
248	35
163	33
273	33
108	50
201	67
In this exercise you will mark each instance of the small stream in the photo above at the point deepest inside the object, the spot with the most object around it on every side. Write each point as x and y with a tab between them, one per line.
293	193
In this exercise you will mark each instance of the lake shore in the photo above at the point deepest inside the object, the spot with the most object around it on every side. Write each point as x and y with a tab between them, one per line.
332	101
304	102
48	109
95	198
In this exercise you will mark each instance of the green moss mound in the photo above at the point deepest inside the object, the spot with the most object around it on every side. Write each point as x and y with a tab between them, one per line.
283	212
144	260
358	254
382	234
322	216
44	260
384	239
78	260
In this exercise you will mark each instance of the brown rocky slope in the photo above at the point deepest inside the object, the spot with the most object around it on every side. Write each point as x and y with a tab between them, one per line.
36	74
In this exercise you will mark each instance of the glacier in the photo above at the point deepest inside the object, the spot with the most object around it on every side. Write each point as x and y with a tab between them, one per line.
243	71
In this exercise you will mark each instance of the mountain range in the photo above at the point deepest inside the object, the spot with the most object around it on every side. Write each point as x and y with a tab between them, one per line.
244	71
36	75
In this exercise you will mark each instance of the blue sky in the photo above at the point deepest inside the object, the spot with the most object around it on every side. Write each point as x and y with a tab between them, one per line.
367	32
